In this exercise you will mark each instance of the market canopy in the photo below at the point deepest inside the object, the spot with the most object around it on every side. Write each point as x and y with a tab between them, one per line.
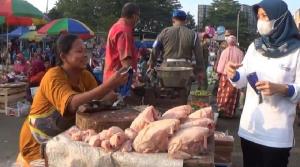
18	31
66	25
20	12
2	20
33	36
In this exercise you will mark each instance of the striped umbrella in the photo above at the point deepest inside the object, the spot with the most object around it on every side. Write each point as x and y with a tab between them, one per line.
67	25
33	36
20	12
2	20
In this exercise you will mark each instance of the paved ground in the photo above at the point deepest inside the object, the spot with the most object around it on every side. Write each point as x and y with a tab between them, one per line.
237	159
9	139
10	128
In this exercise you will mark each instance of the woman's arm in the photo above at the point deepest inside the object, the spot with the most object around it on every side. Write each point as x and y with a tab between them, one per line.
97	93
296	85
291	91
268	88
237	73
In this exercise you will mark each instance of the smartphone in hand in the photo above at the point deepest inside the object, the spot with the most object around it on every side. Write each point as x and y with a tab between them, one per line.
253	79
125	70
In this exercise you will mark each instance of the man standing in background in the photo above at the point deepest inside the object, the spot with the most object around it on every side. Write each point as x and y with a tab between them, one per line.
120	50
177	45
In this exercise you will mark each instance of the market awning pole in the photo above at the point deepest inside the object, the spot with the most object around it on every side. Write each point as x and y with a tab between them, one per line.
6	36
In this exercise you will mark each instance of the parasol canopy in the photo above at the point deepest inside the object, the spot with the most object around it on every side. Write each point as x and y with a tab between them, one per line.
33	36
18	31
66	25
20	12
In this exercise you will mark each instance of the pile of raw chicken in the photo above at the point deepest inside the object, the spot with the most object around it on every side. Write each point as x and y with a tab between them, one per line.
179	131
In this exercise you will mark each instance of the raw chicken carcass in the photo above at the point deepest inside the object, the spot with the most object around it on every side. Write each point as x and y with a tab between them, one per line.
72	130
95	141
87	134
117	140
103	135
204	122
188	142
87	139
77	136
105	144
126	146
155	137
130	133
203	113
150	114
113	130
180	112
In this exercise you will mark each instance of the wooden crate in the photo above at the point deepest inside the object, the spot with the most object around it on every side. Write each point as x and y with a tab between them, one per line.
224	149
204	160
10	94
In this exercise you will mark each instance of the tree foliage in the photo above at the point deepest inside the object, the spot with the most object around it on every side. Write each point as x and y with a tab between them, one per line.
225	13
99	15
55	14
190	21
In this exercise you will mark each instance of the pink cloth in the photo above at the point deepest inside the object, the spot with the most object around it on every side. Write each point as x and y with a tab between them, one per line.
231	53
36	67
23	67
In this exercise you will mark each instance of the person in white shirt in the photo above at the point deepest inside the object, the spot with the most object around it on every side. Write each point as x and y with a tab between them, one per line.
271	72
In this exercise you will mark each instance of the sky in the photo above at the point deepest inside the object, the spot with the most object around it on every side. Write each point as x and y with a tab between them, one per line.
188	5
191	5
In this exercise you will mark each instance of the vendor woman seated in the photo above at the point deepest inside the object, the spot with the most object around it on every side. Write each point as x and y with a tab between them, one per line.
62	90
20	65
36	73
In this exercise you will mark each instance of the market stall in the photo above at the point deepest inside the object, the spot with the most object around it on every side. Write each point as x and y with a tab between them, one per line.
61	151
10	94
75	146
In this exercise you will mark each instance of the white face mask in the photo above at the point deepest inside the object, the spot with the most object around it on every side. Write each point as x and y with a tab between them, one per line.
265	27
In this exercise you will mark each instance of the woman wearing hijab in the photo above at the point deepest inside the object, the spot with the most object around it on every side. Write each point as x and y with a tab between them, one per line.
228	96
272	68
20	65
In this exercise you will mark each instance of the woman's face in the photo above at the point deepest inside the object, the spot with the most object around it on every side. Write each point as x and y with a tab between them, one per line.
76	58
262	15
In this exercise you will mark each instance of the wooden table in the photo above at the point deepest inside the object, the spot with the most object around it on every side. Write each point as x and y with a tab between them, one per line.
10	93
104	119
61	151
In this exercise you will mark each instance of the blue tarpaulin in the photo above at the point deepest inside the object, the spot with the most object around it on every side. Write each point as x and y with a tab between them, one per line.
18	32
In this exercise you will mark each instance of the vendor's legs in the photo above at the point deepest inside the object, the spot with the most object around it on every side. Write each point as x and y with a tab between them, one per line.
256	155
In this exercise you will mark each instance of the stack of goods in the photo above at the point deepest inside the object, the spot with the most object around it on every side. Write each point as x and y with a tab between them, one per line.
223	148
197	105
201	93
180	131
200	99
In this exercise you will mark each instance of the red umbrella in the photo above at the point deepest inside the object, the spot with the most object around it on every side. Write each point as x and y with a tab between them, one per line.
19	8
19	12
67	25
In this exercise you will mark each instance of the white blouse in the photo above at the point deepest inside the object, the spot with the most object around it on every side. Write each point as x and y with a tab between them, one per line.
271	122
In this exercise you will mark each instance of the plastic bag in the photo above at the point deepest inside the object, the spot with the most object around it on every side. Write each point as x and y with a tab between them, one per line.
21	109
